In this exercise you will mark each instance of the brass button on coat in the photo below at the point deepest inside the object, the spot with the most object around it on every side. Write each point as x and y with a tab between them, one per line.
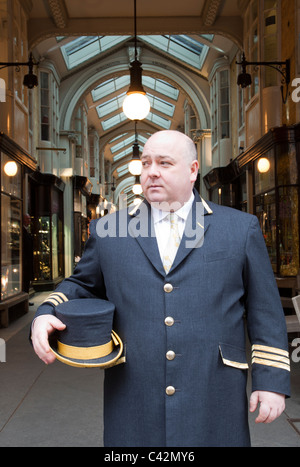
168	288
170	355
170	390
169	321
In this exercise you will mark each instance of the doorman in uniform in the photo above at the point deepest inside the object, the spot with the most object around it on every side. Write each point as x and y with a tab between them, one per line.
182	324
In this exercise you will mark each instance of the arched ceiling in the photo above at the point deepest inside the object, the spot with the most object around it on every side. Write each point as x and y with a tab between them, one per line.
178	43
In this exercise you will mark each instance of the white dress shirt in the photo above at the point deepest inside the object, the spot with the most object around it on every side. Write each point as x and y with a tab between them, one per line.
162	223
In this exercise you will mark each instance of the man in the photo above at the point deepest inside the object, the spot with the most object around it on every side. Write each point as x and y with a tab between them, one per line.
184	380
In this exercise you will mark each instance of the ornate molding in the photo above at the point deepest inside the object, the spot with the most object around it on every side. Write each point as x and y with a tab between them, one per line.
59	13
210	12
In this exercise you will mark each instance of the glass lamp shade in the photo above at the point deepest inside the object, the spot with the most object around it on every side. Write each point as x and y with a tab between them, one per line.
11	168
136	105
263	165
137	187
135	167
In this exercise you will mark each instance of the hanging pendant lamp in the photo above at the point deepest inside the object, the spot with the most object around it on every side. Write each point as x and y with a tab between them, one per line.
136	105
137	187
135	165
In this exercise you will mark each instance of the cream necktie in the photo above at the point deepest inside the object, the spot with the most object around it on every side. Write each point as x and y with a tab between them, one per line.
173	243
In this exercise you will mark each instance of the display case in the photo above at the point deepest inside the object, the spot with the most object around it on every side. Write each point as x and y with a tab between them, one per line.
276	201
14	164
46	199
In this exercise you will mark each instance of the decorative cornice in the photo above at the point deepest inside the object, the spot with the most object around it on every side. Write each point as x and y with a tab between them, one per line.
59	13
210	12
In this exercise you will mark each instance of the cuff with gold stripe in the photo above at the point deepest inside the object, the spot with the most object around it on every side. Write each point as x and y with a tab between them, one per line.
56	298
270	356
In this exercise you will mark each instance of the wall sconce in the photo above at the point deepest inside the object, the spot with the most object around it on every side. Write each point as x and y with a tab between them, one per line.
284	68
30	80
263	165
10	168
136	105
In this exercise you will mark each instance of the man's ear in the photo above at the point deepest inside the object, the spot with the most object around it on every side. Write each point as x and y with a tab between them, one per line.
194	170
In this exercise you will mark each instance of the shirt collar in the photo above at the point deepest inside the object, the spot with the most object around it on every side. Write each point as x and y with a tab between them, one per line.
182	212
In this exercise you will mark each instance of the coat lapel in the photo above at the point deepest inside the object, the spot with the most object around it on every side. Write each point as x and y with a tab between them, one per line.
195	231
142	229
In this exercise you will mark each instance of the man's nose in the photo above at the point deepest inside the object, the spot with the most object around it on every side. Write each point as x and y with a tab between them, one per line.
154	170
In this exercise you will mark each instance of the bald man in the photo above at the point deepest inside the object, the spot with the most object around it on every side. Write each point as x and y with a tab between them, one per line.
181	320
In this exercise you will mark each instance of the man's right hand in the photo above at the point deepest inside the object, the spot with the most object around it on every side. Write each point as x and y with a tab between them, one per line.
42	327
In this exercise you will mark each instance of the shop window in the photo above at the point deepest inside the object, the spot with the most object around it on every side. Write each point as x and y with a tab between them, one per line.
45	106
265	208
265	173
288	231
220	106
47	206
224	104
277	206
11	236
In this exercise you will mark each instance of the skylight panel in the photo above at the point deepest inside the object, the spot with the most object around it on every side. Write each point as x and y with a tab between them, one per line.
122	144
113	121
208	37
158	120
110	86
161	86
161	105
183	47
110	106
188	43
118	137
122	170
84	48
124	153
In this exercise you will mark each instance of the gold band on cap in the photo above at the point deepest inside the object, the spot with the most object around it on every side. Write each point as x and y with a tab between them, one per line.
85	353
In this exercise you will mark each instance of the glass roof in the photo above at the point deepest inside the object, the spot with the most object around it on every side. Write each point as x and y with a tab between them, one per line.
108	96
188	49
161	86
110	86
84	48
124	148
185	48
112	92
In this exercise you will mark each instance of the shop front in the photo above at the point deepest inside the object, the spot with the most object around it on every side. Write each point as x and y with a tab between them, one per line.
46	210
274	164
264	180
16	164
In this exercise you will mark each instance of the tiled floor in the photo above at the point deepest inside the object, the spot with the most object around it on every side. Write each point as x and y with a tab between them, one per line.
58	405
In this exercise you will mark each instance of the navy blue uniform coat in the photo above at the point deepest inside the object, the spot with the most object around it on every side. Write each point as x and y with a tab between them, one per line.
211	289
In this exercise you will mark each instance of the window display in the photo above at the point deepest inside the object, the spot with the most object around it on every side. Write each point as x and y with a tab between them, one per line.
11	235
276	204
47	206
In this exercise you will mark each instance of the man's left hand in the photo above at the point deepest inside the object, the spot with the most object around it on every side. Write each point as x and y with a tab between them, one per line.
271	405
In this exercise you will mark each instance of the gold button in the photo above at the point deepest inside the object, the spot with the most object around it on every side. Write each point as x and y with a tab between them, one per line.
169	321
168	288
170	355
170	390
